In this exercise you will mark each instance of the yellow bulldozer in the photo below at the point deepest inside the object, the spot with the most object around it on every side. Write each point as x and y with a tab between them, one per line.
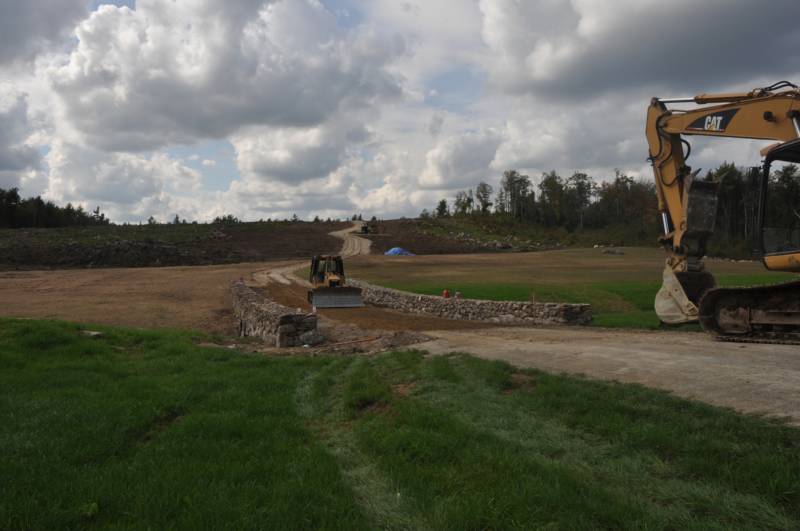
329	285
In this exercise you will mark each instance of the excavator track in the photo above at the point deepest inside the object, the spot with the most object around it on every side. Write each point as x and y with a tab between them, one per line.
760	314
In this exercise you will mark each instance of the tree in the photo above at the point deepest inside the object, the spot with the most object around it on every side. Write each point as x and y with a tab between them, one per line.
483	196
150	221
176	220
462	205
551	198
515	195
227	219
578	191
442	211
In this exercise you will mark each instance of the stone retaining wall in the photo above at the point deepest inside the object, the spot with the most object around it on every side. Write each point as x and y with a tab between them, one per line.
261	317
505	312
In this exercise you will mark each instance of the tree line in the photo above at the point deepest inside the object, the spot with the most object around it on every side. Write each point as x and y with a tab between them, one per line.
581	202
16	212
576	202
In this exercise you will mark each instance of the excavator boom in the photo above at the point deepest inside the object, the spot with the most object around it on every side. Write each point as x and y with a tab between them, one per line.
688	209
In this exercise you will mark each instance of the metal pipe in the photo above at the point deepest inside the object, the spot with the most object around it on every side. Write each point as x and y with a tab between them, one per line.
665	221
676	100
796	126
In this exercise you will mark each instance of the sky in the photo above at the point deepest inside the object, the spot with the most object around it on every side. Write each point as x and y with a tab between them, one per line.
269	108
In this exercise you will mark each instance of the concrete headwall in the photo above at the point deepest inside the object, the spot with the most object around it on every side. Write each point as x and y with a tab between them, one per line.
505	312
261	317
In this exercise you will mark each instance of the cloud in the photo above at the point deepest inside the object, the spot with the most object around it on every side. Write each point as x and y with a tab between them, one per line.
460	160
17	157
28	26
175	72
435	125
579	49
293	155
379	107
123	184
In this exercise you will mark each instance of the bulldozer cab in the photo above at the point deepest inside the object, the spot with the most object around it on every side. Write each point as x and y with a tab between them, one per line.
326	268
779	216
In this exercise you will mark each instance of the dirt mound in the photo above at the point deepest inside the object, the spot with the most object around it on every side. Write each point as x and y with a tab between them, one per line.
407	233
164	245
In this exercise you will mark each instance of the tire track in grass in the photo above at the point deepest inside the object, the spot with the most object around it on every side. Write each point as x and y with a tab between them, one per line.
320	399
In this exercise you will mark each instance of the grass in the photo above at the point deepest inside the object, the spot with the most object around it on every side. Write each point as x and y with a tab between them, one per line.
147	430
620	288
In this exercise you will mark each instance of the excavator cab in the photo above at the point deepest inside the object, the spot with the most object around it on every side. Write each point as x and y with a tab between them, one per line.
779	216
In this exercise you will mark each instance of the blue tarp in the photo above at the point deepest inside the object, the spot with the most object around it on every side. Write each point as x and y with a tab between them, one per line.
398	251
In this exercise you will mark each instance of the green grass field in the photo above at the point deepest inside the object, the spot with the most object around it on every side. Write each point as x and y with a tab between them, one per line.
147	430
620	288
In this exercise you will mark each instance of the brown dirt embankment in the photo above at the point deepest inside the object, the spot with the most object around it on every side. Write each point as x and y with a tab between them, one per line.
406	233
193	298
164	245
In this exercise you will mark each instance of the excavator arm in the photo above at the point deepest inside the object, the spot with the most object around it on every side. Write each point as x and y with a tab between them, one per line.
688	205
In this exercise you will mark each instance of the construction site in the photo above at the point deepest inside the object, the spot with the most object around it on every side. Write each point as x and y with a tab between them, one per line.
462	265
761	378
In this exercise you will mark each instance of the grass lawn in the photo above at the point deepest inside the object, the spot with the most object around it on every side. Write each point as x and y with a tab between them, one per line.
148	430
620	288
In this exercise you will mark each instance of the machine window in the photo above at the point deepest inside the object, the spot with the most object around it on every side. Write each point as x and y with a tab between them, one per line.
782	211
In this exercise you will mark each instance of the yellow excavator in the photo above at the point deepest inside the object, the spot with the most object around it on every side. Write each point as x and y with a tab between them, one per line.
688	208
329	285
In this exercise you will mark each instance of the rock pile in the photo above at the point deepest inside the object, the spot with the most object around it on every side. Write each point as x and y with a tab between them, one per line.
261	317
505	312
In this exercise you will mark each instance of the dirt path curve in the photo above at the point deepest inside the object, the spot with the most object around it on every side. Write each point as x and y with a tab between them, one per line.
353	244
284	274
746	377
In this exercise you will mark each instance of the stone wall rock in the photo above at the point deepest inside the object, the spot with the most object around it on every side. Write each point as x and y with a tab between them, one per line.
505	312
261	317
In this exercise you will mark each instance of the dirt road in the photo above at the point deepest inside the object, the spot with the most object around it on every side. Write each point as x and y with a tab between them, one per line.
751	378
353	244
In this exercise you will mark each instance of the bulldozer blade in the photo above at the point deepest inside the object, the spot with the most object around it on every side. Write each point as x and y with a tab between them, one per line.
337	298
678	299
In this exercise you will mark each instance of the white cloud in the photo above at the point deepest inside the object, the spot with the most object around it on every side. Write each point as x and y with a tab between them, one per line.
28	26
123	184
460	160
293	155
19	159
581	48
381	107
173	72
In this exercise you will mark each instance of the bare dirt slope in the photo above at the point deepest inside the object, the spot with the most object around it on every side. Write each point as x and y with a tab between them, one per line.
746	377
165	245
194	298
